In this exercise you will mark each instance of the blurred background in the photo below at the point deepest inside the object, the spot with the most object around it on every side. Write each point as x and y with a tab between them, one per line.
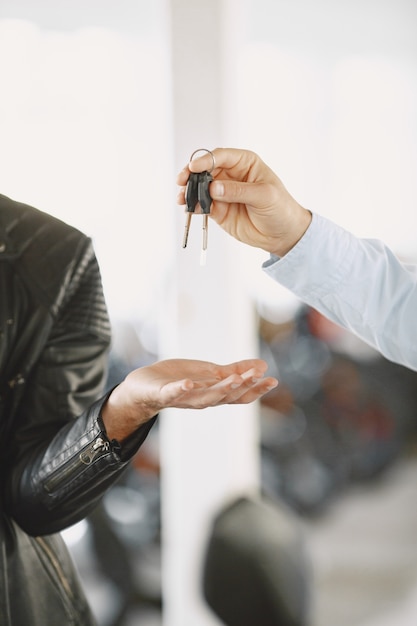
102	103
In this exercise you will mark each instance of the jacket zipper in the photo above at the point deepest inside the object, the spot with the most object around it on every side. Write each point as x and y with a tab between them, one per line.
100	447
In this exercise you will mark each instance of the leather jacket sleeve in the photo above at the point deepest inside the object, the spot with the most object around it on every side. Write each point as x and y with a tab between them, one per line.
60	459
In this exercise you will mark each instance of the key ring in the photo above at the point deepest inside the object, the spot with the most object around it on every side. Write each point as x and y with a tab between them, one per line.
210	153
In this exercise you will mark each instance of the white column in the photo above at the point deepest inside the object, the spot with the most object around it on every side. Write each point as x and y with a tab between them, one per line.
212	455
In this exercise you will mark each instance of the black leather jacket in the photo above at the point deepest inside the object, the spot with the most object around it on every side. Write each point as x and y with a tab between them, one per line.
56	460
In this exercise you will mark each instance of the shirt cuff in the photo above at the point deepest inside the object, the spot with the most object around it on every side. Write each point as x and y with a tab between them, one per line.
318	263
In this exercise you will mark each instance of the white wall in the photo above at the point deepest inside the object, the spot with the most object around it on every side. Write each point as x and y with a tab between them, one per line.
212	456
85	131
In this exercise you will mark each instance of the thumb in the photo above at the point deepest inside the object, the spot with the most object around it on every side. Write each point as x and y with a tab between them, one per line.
174	390
258	195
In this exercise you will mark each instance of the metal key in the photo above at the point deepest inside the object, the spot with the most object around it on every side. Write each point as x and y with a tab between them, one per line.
197	192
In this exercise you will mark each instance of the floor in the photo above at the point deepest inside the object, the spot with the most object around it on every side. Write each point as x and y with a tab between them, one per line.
364	553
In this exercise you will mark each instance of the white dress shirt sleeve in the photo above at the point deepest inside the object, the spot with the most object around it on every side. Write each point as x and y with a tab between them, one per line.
358	283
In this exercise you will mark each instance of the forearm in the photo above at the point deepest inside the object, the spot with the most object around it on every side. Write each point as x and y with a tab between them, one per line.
357	283
51	488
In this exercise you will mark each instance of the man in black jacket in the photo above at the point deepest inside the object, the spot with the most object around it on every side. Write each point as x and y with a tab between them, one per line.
63	445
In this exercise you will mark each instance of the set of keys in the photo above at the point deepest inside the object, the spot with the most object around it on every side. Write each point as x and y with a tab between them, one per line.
197	192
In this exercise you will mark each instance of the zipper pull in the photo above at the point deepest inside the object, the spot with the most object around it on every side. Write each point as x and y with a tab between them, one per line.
99	447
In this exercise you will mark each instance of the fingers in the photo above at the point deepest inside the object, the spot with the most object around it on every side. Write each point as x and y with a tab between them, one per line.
256	391
233	389
246	367
250	390
224	158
